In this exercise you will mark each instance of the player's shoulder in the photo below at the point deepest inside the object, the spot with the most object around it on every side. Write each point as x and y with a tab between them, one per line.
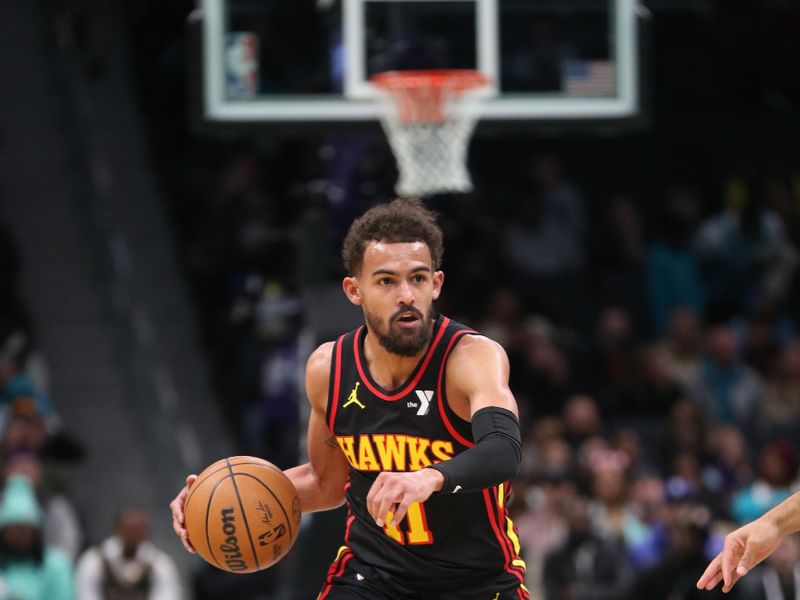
318	370
475	349
319	361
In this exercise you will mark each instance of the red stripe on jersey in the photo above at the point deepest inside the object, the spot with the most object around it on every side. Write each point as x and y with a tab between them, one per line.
502	516
350	518
411	384
337	376
335	570
507	553
452	430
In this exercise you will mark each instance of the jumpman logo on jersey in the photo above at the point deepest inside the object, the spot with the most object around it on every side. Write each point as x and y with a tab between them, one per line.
353	398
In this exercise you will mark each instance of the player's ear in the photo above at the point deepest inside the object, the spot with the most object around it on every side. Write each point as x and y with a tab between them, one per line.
351	290
438	281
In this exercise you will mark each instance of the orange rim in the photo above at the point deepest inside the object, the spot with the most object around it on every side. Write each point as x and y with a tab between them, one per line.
454	80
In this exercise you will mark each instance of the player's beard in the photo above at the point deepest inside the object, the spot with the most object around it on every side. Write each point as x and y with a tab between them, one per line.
400	341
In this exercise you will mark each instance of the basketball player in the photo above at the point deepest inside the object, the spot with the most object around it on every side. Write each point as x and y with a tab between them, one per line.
413	425
752	543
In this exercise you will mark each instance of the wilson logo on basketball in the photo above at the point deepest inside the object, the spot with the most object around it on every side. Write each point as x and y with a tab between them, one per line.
233	555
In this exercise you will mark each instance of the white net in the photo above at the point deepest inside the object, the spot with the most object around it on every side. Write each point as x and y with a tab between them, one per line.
429	123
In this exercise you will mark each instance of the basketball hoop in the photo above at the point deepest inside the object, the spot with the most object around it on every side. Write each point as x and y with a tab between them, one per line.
429	117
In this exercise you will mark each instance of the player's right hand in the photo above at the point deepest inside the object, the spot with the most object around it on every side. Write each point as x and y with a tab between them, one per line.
743	549
176	506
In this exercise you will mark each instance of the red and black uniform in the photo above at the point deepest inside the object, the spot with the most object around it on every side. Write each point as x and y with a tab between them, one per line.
459	545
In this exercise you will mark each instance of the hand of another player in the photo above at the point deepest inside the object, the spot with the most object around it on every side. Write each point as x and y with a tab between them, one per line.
176	506
395	492
743	550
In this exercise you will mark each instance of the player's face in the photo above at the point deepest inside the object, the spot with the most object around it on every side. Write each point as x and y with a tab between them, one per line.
396	287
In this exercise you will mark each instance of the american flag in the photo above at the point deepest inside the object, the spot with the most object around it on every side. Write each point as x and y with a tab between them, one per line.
588	77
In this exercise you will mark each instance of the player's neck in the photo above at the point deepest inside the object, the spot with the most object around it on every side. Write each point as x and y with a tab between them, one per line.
388	369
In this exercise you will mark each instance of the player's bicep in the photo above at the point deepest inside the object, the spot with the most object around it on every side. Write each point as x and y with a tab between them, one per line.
326	459
324	454
479	369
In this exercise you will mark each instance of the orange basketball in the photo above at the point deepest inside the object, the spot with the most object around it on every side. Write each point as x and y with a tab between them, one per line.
242	514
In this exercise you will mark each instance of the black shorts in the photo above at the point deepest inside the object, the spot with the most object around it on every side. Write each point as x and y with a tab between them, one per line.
350	579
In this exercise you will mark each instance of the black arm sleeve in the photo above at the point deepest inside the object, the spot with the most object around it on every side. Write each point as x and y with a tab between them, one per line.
495	457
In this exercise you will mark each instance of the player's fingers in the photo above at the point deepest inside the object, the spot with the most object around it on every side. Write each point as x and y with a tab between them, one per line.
712	581
744	565
374	491
399	513
711	573
385	505
176	506
729	586
187	544
731	553
177	525
747	561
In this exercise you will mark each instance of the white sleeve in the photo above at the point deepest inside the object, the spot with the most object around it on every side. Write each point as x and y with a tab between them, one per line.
166	579
89	576
62	528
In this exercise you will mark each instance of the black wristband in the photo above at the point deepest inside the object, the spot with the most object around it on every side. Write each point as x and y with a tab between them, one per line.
493	459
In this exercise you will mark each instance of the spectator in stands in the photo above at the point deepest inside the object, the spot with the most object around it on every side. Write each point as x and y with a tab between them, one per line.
545	450
587	566
728	465
613	517
472	238
545	237
673	277
126	566
680	350
628	441
618	251
16	383
545	379
779	409
503	320
24	431
760	344
674	576
61	526
684	432
650	391
726	388
608	366
29	569
745	255
777	470
540	514
582	419
647	543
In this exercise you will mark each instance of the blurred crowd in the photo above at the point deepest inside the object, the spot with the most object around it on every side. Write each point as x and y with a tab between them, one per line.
44	551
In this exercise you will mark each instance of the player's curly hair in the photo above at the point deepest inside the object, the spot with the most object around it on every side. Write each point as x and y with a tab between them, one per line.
401	220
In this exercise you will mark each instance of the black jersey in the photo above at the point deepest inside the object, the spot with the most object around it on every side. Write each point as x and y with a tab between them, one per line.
450	540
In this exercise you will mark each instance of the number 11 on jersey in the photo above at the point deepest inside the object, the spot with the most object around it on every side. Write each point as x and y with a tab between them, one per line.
416	524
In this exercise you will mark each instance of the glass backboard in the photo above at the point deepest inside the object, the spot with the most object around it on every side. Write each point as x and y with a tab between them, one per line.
278	61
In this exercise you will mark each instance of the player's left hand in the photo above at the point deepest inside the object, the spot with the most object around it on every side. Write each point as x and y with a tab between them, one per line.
395	492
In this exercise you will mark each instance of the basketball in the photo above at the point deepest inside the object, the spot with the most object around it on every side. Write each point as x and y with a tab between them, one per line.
242	514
